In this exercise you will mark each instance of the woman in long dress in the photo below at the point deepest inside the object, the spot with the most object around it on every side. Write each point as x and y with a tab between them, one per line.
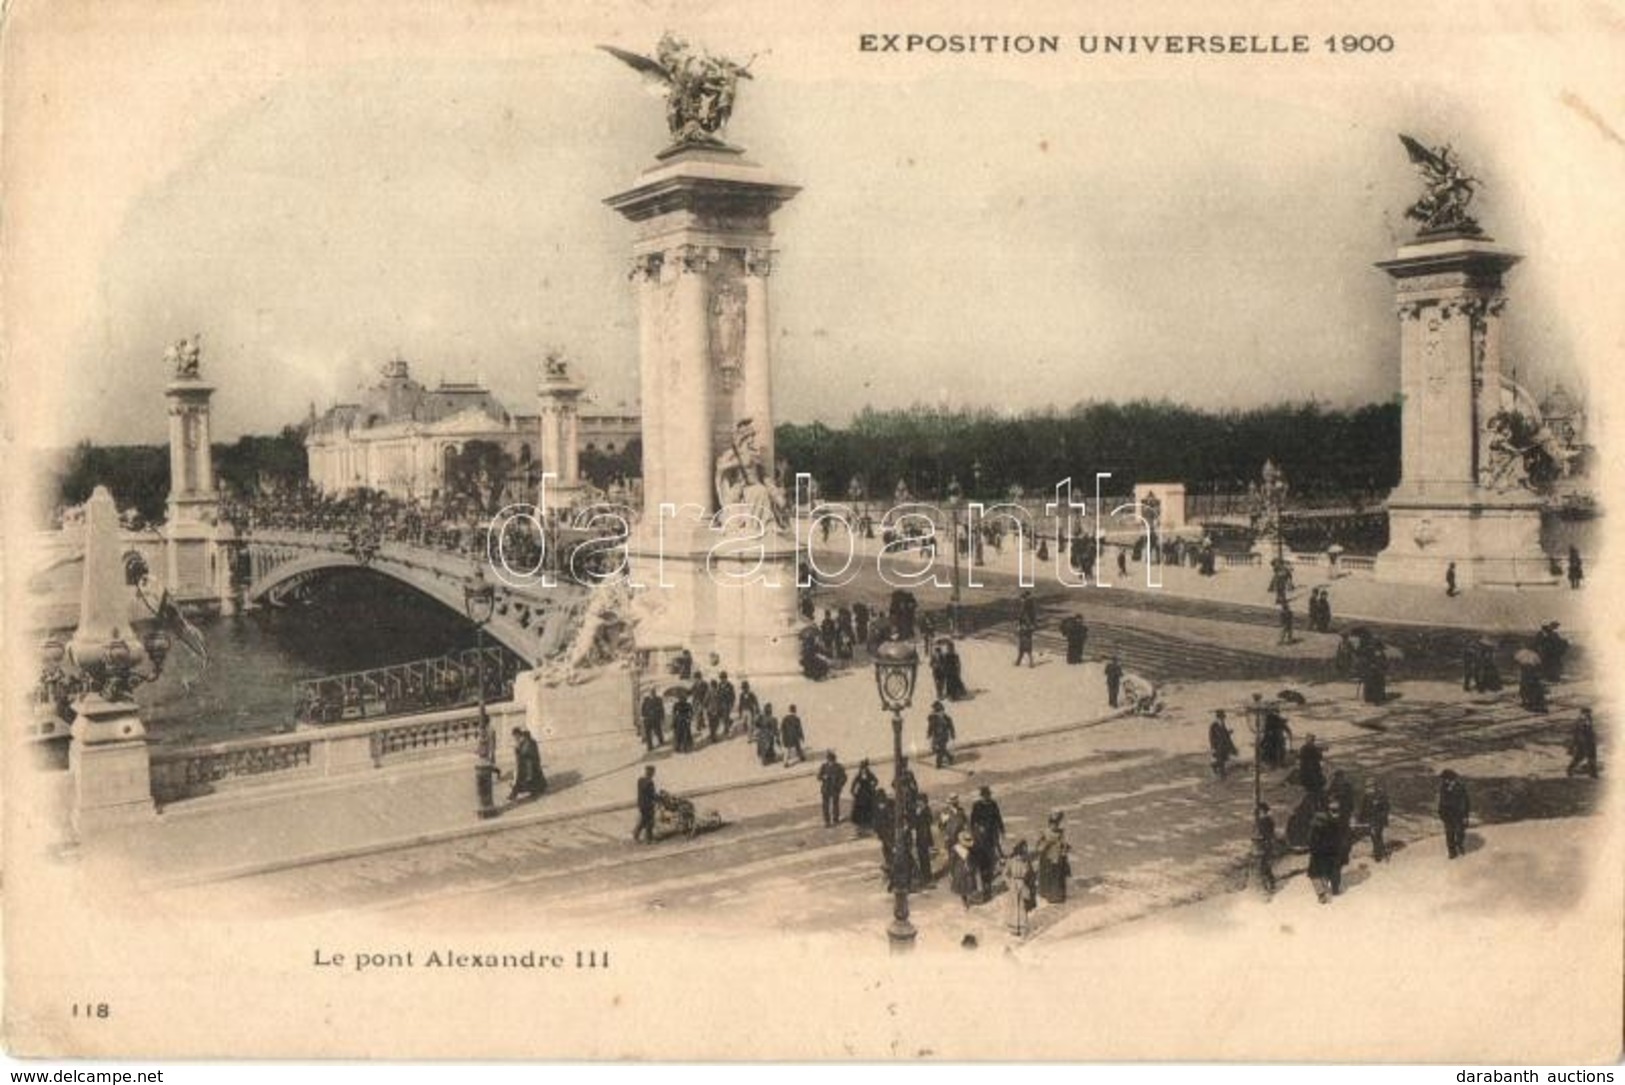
962	869
1053	865
1023	879
953	675
864	785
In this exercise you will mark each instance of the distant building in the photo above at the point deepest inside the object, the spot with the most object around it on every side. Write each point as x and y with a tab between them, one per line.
402	434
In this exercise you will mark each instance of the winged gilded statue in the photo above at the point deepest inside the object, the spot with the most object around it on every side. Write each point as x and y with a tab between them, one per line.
1449	189
699	88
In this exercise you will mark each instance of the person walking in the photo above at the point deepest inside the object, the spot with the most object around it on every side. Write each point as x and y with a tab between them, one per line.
831	782
1311	769
1286	623
1114	680
1374	810
1454	809
647	798
682	724
865	785
722	706
921	820
1576	570
791	736
1054	864
987	829
1077	634
750	707
962	868
1023	879
527	755
653	712
1450	579
1221	743
1325	856
767	736
1583	746
939	731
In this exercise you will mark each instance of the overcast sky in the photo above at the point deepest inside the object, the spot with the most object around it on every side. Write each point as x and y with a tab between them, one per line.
1007	232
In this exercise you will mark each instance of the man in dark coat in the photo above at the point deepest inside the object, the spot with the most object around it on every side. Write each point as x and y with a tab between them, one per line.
1114	680
1077	634
1450	579
921	820
860	621
1583	746
792	736
1272	746
939	731
1454	810
1576	570
645	830
1374	810
1221	743
527	755
722	706
1551	646
987	828
831	782
1325	856
1311	770
682	725
885	827
654	720
749	706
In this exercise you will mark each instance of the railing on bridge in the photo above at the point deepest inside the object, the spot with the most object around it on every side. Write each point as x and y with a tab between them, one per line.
308	756
423	685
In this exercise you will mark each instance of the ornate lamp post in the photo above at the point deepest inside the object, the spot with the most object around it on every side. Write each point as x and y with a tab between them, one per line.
955	497
897	664
1273	493
479	600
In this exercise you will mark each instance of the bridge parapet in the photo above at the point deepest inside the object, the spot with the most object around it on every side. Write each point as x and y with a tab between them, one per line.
313	756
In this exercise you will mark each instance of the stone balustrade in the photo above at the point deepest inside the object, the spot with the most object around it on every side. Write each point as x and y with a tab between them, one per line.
318	753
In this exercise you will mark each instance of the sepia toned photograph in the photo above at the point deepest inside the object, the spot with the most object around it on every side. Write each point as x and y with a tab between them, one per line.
712	532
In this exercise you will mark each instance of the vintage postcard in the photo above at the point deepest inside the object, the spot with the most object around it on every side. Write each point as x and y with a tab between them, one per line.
812	532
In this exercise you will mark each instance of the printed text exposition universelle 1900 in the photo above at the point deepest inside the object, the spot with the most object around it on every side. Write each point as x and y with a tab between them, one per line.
1125	44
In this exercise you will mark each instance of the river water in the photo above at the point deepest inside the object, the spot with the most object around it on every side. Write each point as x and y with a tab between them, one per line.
353	620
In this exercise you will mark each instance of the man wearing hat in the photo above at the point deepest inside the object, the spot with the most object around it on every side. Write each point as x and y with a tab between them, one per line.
1221	743
722	706
962	868
1454	809
791	737
1311	769
1583	746
987	829
831	781
653	712
1114	680
939	730
1264	831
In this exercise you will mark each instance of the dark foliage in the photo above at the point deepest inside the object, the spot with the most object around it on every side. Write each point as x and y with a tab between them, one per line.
1324	452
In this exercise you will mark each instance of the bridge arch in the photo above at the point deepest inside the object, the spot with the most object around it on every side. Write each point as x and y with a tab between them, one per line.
437	575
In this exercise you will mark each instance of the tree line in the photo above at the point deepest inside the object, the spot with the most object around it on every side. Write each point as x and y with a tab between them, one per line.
1324	451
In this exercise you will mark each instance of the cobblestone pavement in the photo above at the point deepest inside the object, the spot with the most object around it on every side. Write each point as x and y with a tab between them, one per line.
1150	828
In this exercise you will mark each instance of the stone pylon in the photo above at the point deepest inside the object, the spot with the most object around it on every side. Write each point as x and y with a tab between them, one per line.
1460	500
701	259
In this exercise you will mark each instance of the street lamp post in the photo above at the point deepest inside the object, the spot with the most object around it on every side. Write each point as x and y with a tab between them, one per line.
1274	495
955	496
479	600
897	664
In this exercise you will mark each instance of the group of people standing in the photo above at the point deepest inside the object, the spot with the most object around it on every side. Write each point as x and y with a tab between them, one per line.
700	705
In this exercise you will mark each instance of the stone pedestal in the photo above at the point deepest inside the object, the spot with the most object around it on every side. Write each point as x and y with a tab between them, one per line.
1452	504
112	777
702	255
